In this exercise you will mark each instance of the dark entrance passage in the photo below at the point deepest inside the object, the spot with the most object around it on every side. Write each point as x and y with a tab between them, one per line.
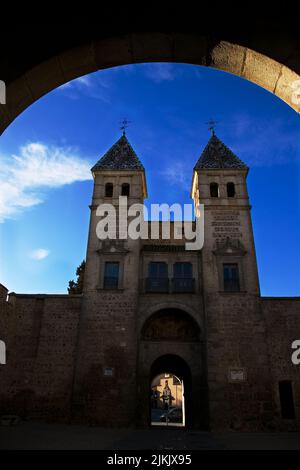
170	392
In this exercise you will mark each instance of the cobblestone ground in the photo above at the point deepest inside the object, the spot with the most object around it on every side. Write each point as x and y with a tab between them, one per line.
34	435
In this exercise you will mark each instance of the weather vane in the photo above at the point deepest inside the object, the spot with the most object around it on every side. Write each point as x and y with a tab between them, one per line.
124	124
211	125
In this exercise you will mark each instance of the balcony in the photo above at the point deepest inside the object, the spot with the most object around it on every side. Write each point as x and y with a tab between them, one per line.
156	284
183	285
165	285
231	285
110	282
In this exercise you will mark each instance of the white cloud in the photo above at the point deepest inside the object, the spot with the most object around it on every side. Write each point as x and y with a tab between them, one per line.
36	167
91	85
78	83
39	254
161	72
177	175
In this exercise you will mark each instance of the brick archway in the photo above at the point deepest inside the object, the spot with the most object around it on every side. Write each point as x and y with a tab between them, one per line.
267	67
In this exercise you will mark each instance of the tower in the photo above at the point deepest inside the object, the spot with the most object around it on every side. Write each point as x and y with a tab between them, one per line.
219	182
237	356
105	381
118	173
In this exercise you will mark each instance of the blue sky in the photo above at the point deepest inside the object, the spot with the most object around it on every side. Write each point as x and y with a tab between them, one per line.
46	154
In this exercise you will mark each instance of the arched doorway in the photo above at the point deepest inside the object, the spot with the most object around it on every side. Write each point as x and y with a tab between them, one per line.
170	378
172	346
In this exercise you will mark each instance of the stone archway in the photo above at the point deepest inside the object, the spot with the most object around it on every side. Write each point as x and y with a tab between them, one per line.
174	364
171	341
265	65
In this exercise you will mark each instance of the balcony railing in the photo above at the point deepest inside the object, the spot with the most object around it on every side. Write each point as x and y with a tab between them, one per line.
157	284
231	285
180	285
176	286
110	282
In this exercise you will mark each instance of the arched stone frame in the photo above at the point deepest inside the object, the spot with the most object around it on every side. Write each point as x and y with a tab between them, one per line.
176	365
193	353
214	190
231	190
191	48
144	315
160	327
109	189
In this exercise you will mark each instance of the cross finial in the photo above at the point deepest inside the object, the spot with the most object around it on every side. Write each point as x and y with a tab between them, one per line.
211	125
124	124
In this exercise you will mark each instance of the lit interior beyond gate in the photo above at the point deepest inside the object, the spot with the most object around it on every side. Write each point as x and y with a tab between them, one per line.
167	401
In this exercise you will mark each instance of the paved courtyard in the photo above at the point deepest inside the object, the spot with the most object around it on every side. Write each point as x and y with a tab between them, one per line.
36	435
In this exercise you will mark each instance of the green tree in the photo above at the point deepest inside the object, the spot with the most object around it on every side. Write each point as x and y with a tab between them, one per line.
76	287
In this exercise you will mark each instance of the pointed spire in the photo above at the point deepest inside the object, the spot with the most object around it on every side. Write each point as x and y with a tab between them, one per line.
120	156
217	156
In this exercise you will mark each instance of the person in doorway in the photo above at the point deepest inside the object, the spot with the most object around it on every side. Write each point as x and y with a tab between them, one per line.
167	396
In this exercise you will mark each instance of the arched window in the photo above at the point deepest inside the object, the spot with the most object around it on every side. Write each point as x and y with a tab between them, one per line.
230	190
125	189
214	190
109	189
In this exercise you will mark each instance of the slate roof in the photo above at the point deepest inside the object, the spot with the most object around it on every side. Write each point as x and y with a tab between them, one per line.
216	156
120	156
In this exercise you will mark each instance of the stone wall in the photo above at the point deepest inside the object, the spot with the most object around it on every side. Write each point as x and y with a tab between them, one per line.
105	388
240	394
40	332
244	333
282	320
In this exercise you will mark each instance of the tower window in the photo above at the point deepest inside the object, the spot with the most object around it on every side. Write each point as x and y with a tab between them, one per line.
214	190
111	275
286	400
231	277
230	190
125	190
109	189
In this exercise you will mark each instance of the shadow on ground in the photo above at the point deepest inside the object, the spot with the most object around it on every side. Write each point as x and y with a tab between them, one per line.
36	435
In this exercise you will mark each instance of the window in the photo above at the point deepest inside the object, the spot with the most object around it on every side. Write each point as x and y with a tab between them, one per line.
157	280
111	275
183	270
183	277
109	189
125	190
231	277
230	190
158	270
286	400
214	190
